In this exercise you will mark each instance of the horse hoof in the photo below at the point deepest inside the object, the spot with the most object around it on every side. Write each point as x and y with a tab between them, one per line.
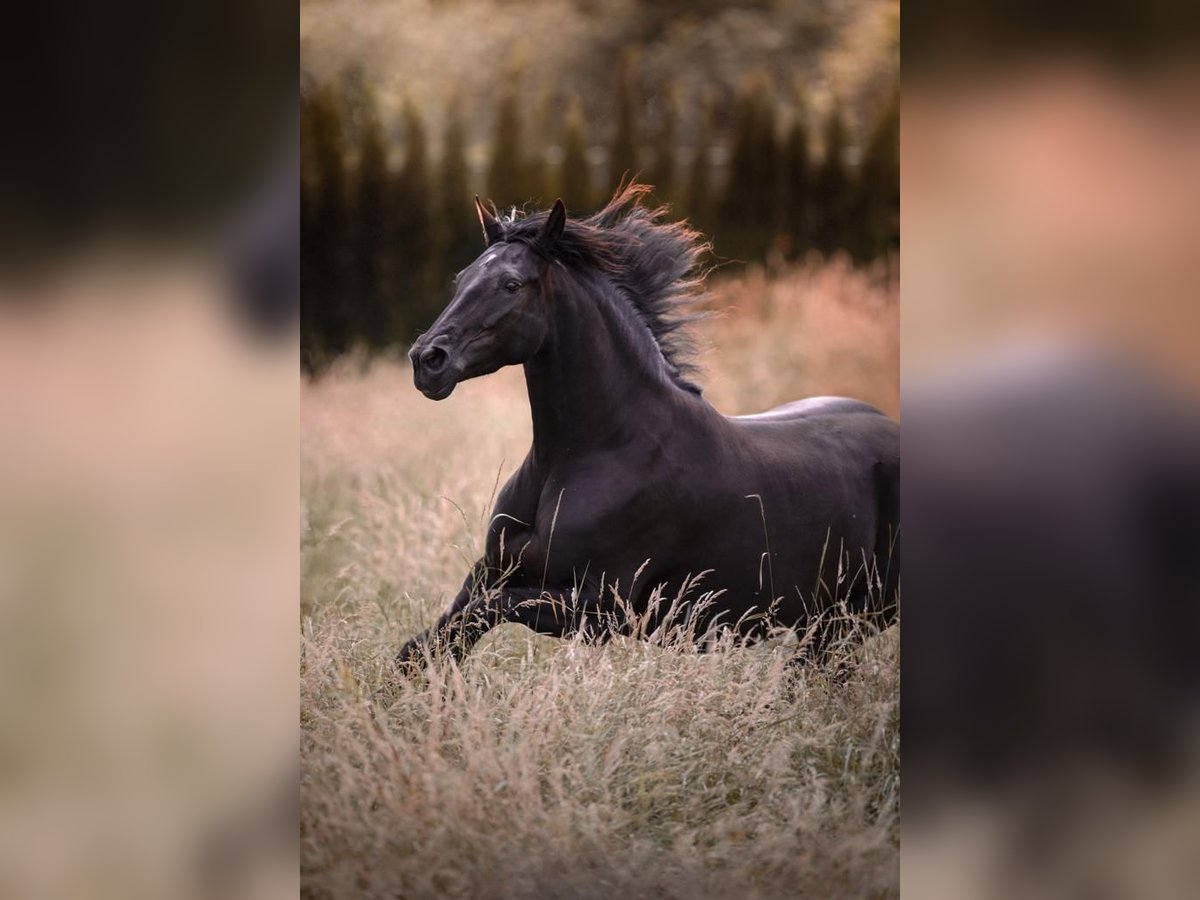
412	659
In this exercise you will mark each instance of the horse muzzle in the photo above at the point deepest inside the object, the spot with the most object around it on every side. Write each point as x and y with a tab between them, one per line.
435	372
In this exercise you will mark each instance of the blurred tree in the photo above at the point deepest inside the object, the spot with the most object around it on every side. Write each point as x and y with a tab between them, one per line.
623	156
877	206
416	234
326	240
461	242
796	189
750	203
699	202
765	184
539	180
662	175
506	175
311	349
735	205
832	189
576	180
373	238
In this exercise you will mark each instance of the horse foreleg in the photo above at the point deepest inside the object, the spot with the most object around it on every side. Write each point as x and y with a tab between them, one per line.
555	612
430	641
563	612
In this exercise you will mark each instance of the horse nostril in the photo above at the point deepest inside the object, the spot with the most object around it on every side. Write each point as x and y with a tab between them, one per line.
434	359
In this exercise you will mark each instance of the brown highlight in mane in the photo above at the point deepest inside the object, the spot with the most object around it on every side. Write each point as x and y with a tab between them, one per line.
653	262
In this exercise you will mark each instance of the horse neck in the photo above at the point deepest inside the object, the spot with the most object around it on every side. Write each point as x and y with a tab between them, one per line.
599	376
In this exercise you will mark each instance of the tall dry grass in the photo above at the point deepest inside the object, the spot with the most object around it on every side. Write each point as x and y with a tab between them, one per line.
543	768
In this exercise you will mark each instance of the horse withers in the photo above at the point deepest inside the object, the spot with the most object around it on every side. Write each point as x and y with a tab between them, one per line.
635	488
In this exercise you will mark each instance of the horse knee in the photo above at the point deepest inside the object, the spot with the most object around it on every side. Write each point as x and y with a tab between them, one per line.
414	655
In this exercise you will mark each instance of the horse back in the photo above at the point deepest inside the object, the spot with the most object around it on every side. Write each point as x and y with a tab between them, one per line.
821	432
811	407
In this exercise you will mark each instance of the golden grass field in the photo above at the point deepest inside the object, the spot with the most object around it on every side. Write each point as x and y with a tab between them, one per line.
554	769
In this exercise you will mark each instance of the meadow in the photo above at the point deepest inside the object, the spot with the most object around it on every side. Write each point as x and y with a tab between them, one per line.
542	768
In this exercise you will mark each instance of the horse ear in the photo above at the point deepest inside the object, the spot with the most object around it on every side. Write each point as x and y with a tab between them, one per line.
489	223
553	229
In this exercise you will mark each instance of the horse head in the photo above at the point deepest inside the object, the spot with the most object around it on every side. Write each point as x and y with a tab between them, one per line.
500	313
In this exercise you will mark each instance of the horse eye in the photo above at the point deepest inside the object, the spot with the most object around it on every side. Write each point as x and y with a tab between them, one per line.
512	286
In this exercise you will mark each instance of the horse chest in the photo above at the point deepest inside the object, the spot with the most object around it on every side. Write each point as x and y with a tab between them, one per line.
588	515
563	536
528	543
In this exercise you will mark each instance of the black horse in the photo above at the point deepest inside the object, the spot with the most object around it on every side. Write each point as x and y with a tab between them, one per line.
636	489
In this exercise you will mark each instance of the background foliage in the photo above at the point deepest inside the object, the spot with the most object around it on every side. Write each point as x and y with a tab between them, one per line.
772	126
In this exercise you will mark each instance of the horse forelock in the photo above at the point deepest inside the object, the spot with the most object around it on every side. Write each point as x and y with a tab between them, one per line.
653	263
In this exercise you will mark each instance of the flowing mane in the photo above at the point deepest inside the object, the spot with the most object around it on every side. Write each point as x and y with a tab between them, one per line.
653	263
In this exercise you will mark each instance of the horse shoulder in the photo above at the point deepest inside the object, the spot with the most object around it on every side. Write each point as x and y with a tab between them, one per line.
514	516
602	504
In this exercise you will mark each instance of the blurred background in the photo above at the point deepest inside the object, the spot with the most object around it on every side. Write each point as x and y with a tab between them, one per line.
1051	674
148	392
772	126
